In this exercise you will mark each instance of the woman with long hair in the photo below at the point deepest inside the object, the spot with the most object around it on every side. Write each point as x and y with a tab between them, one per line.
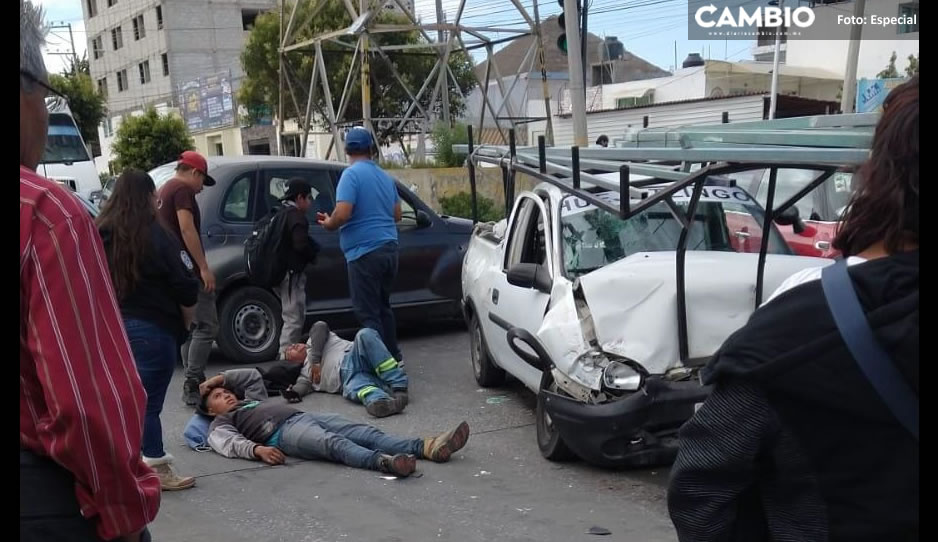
156	289
804	437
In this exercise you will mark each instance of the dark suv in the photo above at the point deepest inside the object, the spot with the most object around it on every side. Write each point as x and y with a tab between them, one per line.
431	249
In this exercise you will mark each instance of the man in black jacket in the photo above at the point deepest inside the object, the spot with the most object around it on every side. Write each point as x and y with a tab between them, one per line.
795	443
299	250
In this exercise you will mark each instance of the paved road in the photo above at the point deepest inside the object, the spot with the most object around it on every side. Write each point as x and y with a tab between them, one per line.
497	489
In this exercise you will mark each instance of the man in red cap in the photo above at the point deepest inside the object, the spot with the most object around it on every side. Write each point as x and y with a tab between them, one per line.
180	212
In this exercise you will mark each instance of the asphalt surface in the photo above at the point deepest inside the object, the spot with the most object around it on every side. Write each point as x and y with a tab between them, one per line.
498	488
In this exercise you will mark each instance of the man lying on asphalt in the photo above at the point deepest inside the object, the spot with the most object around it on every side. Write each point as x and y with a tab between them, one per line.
254	428
363	370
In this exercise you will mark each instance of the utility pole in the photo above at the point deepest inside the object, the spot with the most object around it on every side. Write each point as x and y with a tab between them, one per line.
542	61
577	84
71	39
280	90
849	93
584	44
443	82
773	100
366	78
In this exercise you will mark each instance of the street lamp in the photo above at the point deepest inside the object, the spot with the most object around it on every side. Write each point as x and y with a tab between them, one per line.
778	45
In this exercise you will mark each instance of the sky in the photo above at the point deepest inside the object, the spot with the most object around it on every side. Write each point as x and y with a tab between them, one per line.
60	12
647	28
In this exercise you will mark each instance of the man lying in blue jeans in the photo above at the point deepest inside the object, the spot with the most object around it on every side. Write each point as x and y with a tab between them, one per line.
254	428
363	371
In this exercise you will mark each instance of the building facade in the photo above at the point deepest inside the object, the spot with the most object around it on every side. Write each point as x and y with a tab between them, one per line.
142	53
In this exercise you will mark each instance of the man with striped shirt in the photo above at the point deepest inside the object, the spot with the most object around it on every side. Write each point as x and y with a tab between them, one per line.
81	401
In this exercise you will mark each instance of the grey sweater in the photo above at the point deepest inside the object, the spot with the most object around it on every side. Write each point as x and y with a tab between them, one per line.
252	422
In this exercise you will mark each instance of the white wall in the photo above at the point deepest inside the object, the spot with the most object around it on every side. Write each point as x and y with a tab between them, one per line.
876	46
615	123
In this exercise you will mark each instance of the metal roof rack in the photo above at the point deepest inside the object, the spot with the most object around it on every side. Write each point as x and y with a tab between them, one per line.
681	157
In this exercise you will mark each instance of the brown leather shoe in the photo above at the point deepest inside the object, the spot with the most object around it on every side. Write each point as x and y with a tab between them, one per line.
169	480
442	447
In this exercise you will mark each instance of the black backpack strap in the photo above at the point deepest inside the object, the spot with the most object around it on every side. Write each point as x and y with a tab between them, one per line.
874	362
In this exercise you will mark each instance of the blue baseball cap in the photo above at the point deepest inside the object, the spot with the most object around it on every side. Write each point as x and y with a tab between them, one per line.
358	139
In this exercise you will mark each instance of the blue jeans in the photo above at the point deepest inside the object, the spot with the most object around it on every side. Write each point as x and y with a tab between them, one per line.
329	436
154	352
369	371
370	280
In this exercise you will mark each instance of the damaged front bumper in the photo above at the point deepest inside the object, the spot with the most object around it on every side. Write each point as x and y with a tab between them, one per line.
635	431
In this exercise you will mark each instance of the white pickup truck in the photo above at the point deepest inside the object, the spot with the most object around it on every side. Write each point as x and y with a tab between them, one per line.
582	307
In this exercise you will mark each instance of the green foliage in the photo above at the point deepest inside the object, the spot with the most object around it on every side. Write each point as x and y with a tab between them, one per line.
150	140
388	99
890	72
461	205
444	137
87	106
912	68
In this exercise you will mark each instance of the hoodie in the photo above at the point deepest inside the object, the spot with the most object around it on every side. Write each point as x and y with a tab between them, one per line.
794	443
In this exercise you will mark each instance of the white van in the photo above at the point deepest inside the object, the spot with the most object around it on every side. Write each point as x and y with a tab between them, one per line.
67	159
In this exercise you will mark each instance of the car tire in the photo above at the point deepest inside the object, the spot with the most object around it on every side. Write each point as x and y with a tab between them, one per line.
486	373
249	322
549	441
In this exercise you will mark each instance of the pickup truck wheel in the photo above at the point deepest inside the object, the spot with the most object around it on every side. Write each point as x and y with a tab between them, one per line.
549	440
249	323
486	373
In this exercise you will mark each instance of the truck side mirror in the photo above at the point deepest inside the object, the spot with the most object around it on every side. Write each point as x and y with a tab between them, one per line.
790	217
530	275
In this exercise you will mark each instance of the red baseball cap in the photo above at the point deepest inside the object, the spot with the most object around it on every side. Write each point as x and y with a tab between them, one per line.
197	162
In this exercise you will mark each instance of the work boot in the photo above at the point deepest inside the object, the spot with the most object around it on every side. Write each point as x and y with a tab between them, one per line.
402	465
169	480
440	448
382	408
190	392
401	395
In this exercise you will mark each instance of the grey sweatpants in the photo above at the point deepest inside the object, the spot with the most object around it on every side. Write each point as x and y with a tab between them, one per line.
292	294
196	350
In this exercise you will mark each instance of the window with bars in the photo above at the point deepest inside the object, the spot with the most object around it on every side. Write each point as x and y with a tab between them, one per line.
102	87
97	47
117	38
122	81
165	58
624	103
111	3
159	17
139	31
144	68
92	7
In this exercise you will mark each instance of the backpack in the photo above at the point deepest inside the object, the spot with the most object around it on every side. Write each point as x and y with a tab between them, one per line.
280	376
264	257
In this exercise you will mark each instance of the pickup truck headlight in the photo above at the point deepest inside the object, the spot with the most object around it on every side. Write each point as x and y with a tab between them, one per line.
619	376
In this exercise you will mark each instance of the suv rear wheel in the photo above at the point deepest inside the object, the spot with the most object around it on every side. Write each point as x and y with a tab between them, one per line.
249	322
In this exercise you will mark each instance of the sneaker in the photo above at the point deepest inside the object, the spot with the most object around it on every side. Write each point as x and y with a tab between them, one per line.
291	396
190	392
401	395
402	465
382	408
442	447
169	480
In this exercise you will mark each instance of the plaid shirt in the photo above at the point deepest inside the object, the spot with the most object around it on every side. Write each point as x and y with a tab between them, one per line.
81	400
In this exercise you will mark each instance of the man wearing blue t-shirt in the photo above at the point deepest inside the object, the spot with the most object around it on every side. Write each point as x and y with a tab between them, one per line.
367	210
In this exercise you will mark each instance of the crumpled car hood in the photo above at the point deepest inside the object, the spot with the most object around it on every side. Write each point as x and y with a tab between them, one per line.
634	301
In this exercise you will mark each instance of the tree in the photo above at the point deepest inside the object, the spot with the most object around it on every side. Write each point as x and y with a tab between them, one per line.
87	105
444	137
912	68
150	140
260	61
890	72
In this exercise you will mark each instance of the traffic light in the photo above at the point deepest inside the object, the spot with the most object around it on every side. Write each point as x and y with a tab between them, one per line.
562	21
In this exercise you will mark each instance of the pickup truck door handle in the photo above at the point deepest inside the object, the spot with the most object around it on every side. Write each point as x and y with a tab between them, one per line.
742	235
822	245
495	296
